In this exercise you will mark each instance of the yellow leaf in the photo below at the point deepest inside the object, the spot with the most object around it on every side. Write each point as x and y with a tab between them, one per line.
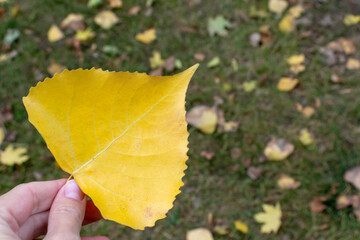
55	34
296	59
199	234
71	18
106	19
249	86
278	149
350	19
2	135
115	3
297	68
308	111
84	35
242	227
287	24
353	64
277	6
55	68
287	84
271	218
202	117
305	137
286	182
146	37
296	11
122	136
156	60
11	155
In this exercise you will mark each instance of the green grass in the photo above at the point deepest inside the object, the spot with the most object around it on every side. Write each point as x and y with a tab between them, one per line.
213	186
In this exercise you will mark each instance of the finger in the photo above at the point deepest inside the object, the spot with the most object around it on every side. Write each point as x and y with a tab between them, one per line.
92	213
38	195
95	238
34	227
67	213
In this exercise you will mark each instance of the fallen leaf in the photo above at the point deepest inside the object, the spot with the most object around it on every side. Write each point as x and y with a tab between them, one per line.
199	234
73	21
106	146
242	227
287	182
336	79
55	68
278	149
147	36
351	19
316	205
249	86
266	36
203	118
353	64
347	45
357	213
287	24
353	176
94	3
214	62
207	155
271	218
6	114
343	201
308	111
156	60
115	3
55	34
255	39
11	36
85	35
157	72
296	11
169	64
234	65
257	13
134	10
2	135
296	69
221	230
306	137
254	172
199	57
235	153
277	6
296	59
106	19
11	155
226	126
286	84
8	56
218	26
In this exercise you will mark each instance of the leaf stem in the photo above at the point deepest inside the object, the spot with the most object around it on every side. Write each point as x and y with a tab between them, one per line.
69	178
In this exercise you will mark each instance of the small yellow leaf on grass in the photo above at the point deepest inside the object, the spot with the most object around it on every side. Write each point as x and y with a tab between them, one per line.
297	69
242	227
55	34
286	182
11	155
287	24
214	62
271	218
287	84
115	3
2	135
55	68
146	37
296	59
199	234
84	35
350	19
353	64
249	86
71	19
203	118
278	149
308	111
121	135
106	19
156	60
347	45
305	137
277	6
296	11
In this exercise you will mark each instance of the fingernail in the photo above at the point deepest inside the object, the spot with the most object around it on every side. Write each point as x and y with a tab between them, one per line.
73	191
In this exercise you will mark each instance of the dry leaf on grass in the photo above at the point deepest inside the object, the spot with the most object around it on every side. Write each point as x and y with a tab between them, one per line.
242	227
55	34
271	218
156	60
287	182
286	84
353	64
306	137
254	172
106	19
353	176
147	36
2	135
12	155
278	149
343	201
73	21
134	10
203	118
199	234
351	19
104	128
54	67
316	205
115	3
277	6
207	154
221	230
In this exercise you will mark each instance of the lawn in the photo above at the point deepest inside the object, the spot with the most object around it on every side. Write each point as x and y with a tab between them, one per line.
218	190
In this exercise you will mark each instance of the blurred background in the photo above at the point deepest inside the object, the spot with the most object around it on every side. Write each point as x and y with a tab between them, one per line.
274	108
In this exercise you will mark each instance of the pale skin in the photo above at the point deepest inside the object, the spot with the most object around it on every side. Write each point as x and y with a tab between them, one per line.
56	209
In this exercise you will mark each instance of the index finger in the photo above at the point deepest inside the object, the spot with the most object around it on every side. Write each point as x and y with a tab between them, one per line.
29	198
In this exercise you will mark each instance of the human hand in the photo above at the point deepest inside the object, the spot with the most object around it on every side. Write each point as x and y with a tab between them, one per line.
52	208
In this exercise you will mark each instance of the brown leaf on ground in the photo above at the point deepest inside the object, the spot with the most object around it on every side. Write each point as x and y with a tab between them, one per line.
54	67
287	182
235	153
6	114
226	126
254	172
246	162
134	10
343	201
316	205
207	154
169	64
336	79
199	57
353	176
156	72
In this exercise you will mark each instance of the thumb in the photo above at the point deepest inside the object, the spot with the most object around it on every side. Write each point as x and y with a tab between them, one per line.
67	213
